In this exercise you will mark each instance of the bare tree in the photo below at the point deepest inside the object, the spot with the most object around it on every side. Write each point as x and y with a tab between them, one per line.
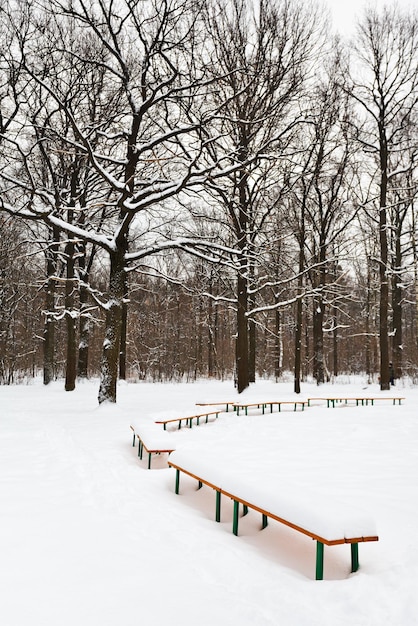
384	84
260	60
143	156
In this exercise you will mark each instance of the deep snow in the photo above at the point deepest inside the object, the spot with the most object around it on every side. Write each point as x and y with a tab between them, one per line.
90	537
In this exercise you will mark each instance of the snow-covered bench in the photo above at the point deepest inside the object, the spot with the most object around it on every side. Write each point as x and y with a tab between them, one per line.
358	400
327	523
151	439
188	419
226	404
263	405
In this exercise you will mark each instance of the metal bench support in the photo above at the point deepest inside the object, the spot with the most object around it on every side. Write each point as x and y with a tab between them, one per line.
319	560
354	557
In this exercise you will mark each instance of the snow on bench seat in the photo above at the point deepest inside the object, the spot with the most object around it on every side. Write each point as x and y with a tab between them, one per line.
329	523
188	419
151	439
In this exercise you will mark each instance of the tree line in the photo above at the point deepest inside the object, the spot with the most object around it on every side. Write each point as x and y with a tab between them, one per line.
206	188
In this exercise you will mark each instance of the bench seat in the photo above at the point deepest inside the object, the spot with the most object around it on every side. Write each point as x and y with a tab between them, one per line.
188	419
226	404
152	440
271	403
329	523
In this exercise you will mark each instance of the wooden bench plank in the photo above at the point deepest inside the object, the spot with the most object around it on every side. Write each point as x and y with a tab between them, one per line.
226	404
188	419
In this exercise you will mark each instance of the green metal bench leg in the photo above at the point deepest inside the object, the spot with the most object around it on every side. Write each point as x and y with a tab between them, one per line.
265	522
319	560
199	484
149	460
354	557
218	506
133	443
235	518
177	481
245	511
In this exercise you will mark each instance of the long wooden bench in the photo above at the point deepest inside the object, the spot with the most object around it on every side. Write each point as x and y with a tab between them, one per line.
189	419
339	525
263	405
226	404
358	400
152	440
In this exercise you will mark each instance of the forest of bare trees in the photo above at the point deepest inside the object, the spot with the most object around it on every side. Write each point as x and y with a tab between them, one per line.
206	188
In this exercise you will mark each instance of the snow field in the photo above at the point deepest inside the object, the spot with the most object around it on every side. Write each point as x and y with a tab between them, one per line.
90	537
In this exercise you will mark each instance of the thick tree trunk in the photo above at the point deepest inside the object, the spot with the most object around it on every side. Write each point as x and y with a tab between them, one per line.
71	364
111	344
242	360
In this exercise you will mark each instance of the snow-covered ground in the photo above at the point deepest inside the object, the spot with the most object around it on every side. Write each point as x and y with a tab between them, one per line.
90	537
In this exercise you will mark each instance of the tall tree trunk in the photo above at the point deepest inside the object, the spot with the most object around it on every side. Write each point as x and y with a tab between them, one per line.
49	327
397	339
71	364
278	346
335	342
415	257
252	331
318	323
111	344
124	331
368	314
299	310
243	379
210	337
252	342
84	332
318	340
383	263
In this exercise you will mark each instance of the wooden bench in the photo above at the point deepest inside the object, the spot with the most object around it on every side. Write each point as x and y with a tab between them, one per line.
189	419
152	440
225	404
337	526
363	401
264	405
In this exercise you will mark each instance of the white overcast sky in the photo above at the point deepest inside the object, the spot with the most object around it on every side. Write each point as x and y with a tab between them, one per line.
345	12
